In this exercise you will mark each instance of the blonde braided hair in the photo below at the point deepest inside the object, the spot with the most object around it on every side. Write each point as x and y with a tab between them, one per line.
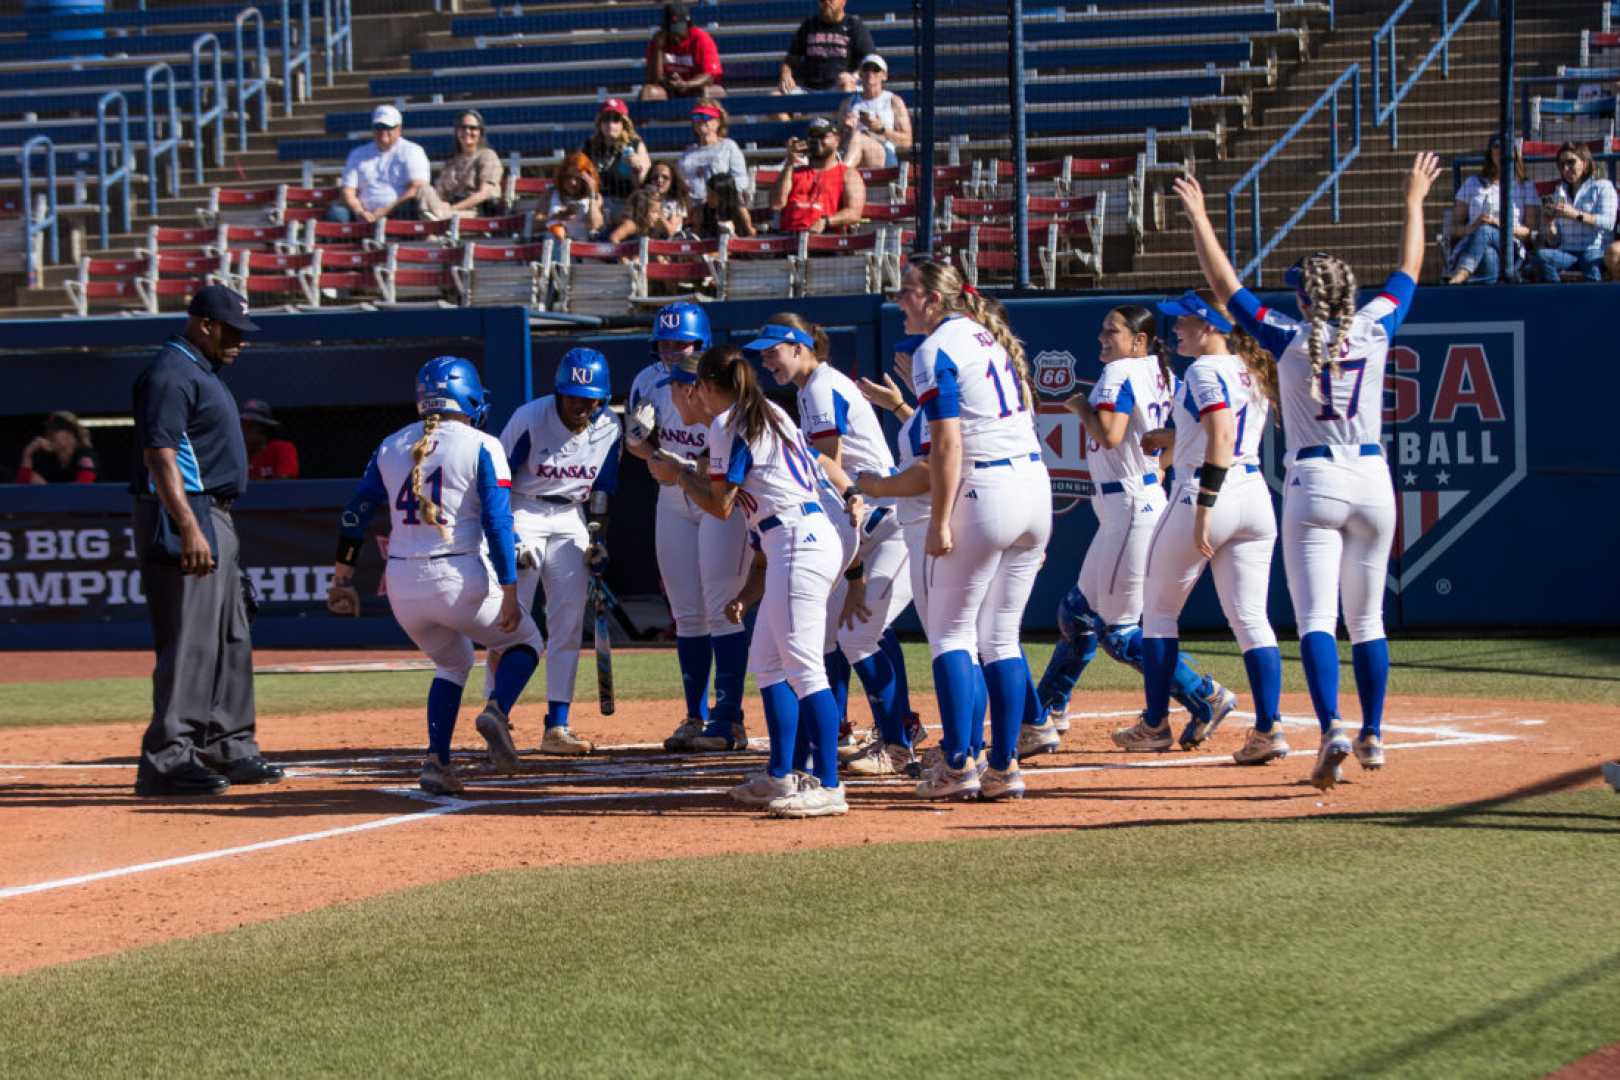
431	513
1330	286
987	311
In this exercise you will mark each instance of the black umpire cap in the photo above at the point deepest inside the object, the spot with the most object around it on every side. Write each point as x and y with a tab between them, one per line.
223	305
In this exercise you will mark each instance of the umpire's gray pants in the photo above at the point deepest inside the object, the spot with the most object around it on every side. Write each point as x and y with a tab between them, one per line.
202	686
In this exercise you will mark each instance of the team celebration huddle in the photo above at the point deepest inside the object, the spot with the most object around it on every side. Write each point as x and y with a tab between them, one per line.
789	546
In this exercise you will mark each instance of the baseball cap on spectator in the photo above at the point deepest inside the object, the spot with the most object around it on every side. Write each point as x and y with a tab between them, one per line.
222	305
614	105
711	111
874	60
257	411
676	16
386	116
818	127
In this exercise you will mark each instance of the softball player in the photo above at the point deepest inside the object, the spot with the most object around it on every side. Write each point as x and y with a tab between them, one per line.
1130	398
563	451
703	560
990	519
1219	514
841	425
445	484
1338	498
760	462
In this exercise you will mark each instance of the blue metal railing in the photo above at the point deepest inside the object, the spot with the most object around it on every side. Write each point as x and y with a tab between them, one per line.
1390	110
259	84
169	142
1568	77
1251	179
33	226
293	58
337	22
105	177
215	112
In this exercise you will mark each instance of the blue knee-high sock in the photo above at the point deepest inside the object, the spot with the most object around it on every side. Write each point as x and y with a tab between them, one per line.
1005	680
782	722
444	699
730	671
1188	688
1370	661
954	684
803	739
557	714
1159	657
1319	656
1033	713
1265	685
877	677
693	654
837	665
512	675
981	705
890	644
819	712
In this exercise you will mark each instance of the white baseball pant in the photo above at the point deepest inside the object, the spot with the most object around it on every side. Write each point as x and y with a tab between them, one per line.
558	536
1115	567
447	603
1338	526
703	562
804	557
1243	532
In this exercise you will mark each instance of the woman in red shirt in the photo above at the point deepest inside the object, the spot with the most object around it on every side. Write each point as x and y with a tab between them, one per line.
268	458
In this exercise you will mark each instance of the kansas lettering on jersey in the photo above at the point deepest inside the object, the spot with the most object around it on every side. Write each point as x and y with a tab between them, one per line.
1211	383
464	472
773	475
1351	412
959	371
914	447
547	459
674	435
1135	386
831	404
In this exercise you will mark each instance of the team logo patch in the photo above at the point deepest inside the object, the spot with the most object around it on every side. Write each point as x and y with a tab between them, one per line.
1454	434
1054	372
669	320
1064	446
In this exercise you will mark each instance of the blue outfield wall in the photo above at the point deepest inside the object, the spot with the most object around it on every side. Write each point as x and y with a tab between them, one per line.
1497	480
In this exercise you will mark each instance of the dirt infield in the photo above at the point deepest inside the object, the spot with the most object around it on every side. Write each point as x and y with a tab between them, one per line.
89	869
21	667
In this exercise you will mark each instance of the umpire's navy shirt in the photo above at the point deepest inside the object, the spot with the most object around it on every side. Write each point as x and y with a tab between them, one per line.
182	405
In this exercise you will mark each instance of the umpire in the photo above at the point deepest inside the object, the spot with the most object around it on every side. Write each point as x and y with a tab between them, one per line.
191	466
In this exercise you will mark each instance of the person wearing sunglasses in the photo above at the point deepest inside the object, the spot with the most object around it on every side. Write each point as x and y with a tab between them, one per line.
383	177
1577	220
469	184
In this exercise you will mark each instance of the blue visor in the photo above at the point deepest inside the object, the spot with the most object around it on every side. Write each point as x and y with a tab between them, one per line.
685	378
1190	303
772	334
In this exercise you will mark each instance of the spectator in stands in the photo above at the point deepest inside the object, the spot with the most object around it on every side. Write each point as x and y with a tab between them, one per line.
63	455
618	154
682	60
382	178
469	185
876	123
575	211
1476	225
643	216
712	153
825	51
269	458
722	211
818	192
1577	219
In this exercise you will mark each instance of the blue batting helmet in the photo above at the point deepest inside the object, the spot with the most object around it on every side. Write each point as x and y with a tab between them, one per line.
451	384
582	373
682	321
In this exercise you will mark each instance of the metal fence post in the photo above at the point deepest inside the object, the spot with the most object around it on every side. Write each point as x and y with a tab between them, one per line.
1507	174
1020	144
924	243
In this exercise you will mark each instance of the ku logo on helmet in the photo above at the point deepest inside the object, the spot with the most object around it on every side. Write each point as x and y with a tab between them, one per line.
669	320
580	375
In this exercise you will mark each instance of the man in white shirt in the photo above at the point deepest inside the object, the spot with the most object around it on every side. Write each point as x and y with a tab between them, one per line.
382	179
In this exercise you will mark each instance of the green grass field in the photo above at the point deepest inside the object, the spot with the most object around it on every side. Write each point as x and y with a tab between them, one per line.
1573	669
1421	945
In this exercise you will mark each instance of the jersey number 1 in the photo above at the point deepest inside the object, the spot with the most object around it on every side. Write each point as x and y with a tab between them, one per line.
406	500
1001	396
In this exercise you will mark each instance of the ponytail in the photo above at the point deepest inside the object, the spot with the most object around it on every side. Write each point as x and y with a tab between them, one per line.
1140	320
987	311
1330	286
728	369
430	511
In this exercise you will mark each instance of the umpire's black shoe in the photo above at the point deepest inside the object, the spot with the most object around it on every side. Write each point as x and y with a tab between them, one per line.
253	770
188	779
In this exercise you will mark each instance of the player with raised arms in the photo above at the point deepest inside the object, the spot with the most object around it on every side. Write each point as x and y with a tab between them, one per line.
445	484
1338	498
990	519
760	462
702	560
563	451
1130	398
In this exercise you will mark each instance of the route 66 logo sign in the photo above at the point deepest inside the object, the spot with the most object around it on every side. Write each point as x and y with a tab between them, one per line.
1054	372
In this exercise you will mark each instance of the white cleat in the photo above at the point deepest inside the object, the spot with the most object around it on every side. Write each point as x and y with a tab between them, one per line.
1143	736
1002	783
735	738
439	778
1221	702
1370	752
940	781
761	788
1060	720
1261	747
1042	738
496	730
810	800
878	759
1334	749
561	742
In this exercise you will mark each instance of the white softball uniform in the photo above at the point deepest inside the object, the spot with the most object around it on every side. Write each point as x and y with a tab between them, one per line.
1338	498
831	404
702	560
554	472
777	481
1127	496
1243	530
915	511
440	587
1001	515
